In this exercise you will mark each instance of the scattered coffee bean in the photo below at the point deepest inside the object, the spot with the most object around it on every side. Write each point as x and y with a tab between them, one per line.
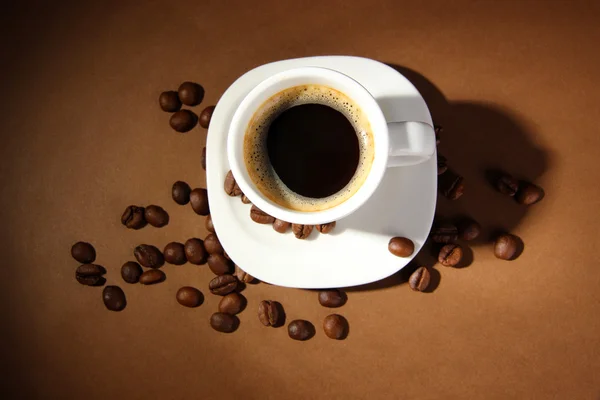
206	115
208	224
152	276
174	253
133	217
444	233
199	201
243	276
212	244
325	228
190	93
230	185
450	255
529	193
232	304
451	185
442	164
225	323
131	272
401	246
189	296
90	275
219	265
507	185
181	192
223	284
302	231
332	298
335	327
281	226
183	120
419	280
300	329
83	252
169	101
245	199
195	251
226	255
438	130
269	313
506	246
259	216
148	256
114	298
469	229
156	216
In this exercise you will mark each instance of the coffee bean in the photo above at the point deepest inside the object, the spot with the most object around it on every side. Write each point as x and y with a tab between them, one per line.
281	226
148	256
335	327
232	304
219	265
223	284
506	246
206	115
199	201
169	101
302	231
90	269
300	329
269	313
325	228
442	164
401	246
469	229
451	185
114	298
90	280
529	193
259	216
225	323
507	185
133	217
444	233
208	224
230	185
195	251
245	199
189	297
152	276
203	161
450	255
83	252
183	121
243	276
181	192
438	131
419	280
175	253
332	298
156	216
226	255
212	244
190	93
131	272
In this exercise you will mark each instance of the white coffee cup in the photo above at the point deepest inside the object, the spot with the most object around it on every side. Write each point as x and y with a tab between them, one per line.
396	144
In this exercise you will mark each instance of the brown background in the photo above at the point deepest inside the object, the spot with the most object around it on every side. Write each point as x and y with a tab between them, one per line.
514	84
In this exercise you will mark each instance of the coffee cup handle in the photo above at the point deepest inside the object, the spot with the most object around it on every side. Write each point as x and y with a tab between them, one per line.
411	143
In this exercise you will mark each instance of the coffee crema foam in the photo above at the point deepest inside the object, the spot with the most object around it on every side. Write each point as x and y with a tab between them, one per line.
256	156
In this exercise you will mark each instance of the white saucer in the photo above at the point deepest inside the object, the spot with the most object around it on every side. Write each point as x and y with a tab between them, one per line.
356	251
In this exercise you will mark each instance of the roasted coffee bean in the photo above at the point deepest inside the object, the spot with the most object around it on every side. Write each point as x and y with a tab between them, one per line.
223	284
269	313
114	298
208	224
189	296
444	233
300	329
181	192
507	185
169	101
90	269
203	161
133	217
442	164
232	304
225	323
206	116
529	193
156	216
230	185
335	327
259	216
174	253
195	251
332	298
183	120
190	93
212	244
438	131
131	272
302	231
419	280
281	226
243	276
219	265
90	280
469	229
226	255
245	199
451	185
506	246
401	246
450	255
325	228
148	256
199	201
152	276
83	252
